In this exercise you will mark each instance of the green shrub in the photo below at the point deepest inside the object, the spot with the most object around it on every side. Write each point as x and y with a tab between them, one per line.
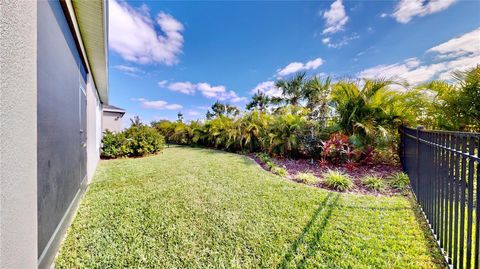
399	180
136	141
279	171
307	178
373	183
113	145
337	180
143	140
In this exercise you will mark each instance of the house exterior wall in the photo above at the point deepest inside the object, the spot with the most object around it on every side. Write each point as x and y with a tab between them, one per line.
112	121
61	150
18	135
94	128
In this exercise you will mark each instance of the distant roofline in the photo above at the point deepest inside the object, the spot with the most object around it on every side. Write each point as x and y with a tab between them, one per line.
110	108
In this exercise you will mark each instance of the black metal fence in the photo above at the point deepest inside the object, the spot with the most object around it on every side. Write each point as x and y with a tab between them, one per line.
444	171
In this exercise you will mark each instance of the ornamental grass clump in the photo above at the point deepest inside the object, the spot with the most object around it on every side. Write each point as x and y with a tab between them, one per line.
373	183
337	180
307	178
399	181
271	165
277	170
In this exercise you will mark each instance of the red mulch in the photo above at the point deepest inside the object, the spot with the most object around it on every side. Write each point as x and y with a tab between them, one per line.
295	166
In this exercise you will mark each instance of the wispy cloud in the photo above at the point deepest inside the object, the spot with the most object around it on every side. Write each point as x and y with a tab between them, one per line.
134	35
335	18
218	92
182	87
298	66
129	70
162	83
405	10
341	42
157	104
458	53
193	113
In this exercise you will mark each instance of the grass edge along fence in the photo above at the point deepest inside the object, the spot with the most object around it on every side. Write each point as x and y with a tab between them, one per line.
444	171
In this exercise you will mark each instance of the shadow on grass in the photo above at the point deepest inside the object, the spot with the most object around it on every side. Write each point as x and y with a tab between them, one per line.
374	208
327	206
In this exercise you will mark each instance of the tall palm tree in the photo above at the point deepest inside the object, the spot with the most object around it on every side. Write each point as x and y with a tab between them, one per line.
317	92
292	89
260	100
220	109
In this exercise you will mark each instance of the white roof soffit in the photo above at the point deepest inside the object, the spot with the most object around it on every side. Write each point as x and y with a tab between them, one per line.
92	23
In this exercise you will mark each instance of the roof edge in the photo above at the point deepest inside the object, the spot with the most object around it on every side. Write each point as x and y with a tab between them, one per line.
100	80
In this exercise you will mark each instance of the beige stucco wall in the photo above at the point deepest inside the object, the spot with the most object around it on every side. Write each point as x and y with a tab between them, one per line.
112	121
94	124
18	134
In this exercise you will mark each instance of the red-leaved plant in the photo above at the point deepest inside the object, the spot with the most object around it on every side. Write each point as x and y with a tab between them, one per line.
335	149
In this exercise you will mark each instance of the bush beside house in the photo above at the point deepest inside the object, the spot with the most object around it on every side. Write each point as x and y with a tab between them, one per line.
137	141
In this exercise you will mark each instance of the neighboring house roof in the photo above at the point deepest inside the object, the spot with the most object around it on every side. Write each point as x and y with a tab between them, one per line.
110	108
91	28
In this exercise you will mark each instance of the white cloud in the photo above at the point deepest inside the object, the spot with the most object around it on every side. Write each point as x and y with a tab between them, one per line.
182	87
157	104
162	83
335	18
129	70
268	88
134	36
462	45
313	64
407	9
340	43
298	66
219	92
210	91
458	53
383	15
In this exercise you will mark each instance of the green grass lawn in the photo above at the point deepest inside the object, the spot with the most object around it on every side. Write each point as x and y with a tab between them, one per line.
200	208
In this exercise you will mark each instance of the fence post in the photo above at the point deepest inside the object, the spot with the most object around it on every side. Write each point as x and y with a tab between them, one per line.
419	128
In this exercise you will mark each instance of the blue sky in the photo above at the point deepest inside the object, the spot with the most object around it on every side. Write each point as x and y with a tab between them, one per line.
167	57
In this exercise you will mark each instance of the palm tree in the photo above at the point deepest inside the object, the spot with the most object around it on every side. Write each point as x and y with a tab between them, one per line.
292	89
317	92
220	109
372	110
283	133
180	116
136	122
253	127
260	101
455	106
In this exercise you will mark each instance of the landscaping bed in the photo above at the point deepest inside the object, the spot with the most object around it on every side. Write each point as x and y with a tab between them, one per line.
356	173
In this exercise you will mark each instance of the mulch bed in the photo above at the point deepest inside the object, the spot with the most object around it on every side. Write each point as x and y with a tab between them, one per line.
295	166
